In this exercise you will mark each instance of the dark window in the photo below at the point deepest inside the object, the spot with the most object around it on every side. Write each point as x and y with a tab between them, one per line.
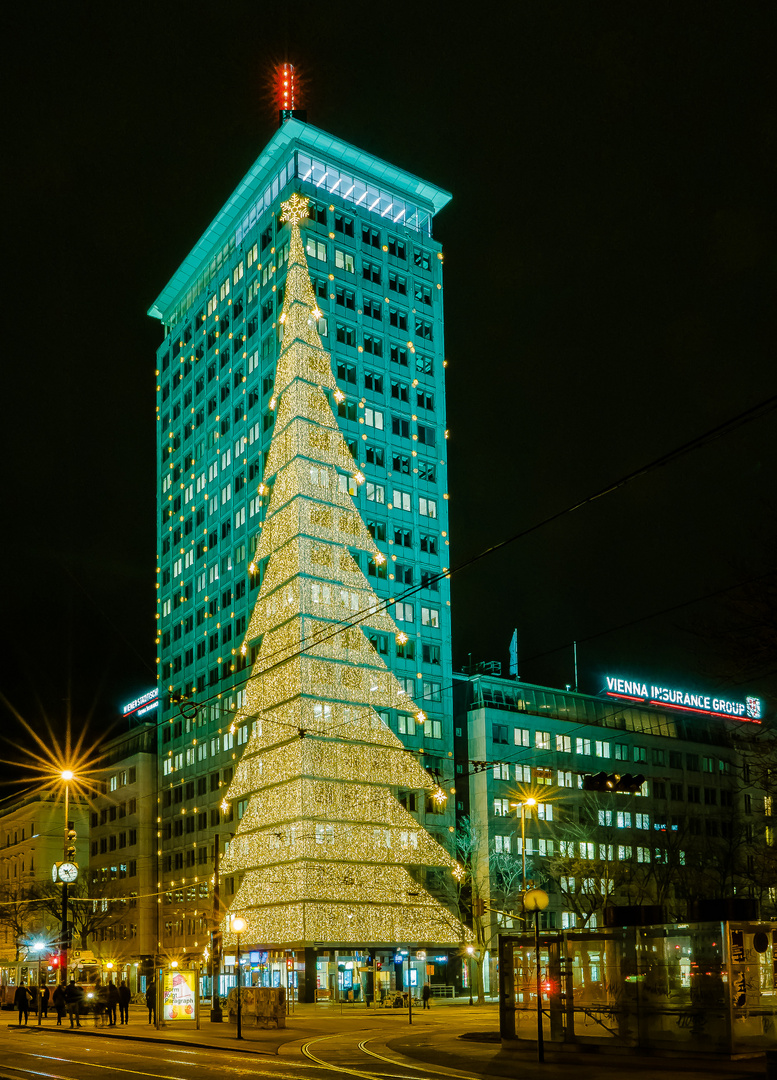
400	463
346	409
373	345
371	272
400	427
426	435
371	237
375	455
346	335
373	381
343	225
345	297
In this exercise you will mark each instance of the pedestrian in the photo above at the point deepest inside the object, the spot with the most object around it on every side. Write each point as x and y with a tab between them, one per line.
151	1001
21	1002
113	1001
44	1000
124	1001
73	1002
426	993
100	1003
58	1000
34	1000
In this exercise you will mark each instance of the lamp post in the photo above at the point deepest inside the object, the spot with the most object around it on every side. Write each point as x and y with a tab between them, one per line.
37	948
67	776
470	954
536	900
238	926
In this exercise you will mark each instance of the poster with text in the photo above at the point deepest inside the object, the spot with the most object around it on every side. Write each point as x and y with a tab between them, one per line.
179	990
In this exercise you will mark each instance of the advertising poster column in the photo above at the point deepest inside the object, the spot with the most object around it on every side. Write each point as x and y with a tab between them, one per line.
180	998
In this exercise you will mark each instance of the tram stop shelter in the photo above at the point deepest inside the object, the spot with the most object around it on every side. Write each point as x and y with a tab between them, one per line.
700	987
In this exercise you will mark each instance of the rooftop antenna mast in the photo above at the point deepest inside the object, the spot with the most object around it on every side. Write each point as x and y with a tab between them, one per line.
288	94
574	644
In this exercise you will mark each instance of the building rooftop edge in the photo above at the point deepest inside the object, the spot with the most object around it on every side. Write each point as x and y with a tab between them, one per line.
293	132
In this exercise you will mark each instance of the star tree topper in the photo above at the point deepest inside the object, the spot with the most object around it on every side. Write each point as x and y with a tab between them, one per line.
295	208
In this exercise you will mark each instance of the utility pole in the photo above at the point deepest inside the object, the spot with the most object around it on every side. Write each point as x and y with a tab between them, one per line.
216	1014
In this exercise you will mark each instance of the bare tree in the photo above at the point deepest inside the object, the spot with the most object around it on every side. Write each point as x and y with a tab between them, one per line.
19	914
88	912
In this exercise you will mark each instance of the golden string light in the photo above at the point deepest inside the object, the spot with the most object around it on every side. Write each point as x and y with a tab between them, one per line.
323	846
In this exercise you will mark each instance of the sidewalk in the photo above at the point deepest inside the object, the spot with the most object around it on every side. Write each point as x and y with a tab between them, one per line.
305	1022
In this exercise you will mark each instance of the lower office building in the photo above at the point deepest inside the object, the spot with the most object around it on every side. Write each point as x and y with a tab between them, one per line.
31	842
122	930
691	822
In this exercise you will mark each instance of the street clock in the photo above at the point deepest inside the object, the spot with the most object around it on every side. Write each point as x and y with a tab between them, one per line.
66	871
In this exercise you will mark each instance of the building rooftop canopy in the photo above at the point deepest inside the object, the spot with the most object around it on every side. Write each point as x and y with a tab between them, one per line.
294	135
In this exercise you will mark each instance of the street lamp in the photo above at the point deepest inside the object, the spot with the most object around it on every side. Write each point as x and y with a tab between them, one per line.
238	926
37	947
67	776
536	900
470	954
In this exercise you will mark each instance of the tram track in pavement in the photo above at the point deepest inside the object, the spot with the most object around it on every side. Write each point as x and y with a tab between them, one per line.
427	1071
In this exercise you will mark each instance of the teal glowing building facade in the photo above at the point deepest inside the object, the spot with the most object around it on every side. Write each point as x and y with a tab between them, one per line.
377	274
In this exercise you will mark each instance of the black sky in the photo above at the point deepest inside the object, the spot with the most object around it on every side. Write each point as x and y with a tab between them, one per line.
609	287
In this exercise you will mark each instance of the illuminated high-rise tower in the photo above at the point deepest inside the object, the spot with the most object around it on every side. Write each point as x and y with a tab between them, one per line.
376	273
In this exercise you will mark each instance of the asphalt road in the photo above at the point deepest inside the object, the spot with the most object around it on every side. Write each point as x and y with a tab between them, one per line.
317	1043
27	1052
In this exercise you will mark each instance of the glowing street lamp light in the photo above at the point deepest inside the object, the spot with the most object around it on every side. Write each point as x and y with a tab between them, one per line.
238	926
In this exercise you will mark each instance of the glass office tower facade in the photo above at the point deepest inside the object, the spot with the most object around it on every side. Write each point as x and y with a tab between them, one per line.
377	274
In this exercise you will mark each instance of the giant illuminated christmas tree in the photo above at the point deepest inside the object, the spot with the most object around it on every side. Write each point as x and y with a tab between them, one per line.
323	845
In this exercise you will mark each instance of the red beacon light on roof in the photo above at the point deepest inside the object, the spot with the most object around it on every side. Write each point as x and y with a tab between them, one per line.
286	93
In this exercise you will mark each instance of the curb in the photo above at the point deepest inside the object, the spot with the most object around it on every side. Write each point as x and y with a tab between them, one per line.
240	1048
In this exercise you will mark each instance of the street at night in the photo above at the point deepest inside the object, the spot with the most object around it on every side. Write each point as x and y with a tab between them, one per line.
316	1042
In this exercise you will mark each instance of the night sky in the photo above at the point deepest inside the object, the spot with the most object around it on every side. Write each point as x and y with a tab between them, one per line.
609	274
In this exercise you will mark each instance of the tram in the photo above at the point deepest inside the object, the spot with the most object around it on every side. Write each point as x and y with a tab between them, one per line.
84	968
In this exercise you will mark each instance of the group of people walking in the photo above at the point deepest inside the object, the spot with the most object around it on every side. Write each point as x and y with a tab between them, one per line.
69	1001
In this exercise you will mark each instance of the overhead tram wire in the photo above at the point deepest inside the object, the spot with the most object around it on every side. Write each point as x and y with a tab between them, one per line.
755	412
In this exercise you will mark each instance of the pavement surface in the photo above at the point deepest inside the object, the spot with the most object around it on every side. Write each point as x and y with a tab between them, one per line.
318	1040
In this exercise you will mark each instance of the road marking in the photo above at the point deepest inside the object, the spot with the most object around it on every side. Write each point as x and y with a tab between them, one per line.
32	1072
96	1065
114	1068
405	1065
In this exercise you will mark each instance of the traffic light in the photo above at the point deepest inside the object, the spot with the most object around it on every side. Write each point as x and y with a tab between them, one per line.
624	782
70	846
478	907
